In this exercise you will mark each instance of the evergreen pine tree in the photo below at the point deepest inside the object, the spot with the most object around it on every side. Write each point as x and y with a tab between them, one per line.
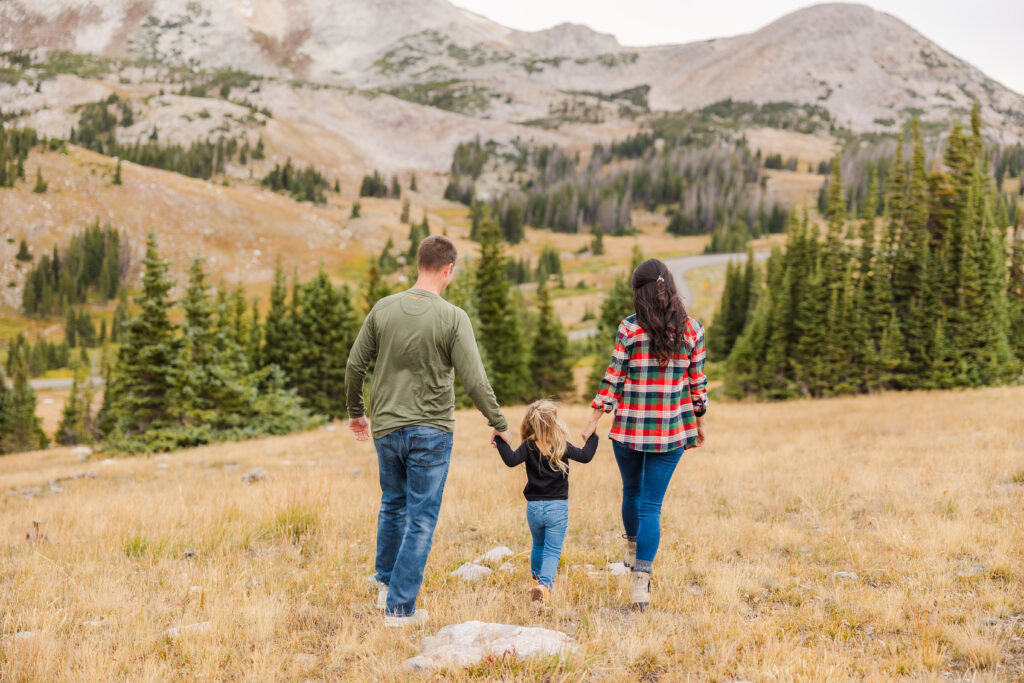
550	365
597	240
117	174
279	326
376	287
74	428
327	326
20	428
23	254
499	326
138	395
41	185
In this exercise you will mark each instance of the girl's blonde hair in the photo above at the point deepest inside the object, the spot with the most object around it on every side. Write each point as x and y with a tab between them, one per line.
550	434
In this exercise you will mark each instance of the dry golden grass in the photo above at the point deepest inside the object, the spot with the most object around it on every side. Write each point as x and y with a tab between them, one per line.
911	492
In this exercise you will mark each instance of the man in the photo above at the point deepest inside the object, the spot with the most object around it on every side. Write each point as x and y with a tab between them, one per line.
417	339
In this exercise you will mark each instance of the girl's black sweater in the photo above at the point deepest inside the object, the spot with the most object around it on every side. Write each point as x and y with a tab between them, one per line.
542	482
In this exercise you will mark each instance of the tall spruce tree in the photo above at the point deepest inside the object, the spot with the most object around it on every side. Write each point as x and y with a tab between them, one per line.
500	332
279	327
550	365
138	397
20	428
327	326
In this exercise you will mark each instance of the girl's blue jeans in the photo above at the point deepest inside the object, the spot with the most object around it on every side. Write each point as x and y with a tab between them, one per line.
548	520
645	478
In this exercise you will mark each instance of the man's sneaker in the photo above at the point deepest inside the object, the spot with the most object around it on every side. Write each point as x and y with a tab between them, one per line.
539	597
639	590
417	618
630	558
382	591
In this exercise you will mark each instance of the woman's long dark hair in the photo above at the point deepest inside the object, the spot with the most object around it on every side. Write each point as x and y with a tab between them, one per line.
659	309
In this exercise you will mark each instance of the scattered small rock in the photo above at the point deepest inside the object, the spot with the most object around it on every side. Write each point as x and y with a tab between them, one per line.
188	629
195	589
695	590
852	576
472	571
494	555
976	570
19	636
617	569
470	642
81	452
162	466
94	623
108	462
254	476
991	621
507	567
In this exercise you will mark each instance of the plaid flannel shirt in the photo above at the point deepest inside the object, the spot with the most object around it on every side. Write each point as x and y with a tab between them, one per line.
656	406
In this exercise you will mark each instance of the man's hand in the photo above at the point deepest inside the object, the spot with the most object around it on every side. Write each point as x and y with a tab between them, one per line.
701	434
506	435
360	427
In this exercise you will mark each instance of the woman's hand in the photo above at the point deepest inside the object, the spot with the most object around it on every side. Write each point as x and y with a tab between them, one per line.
701	433
591	426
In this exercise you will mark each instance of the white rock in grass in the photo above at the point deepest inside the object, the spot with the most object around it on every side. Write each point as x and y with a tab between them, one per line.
472	572
494	555
507	567
188	629
81	452
845	575
21	636
470	642
254	476
617	568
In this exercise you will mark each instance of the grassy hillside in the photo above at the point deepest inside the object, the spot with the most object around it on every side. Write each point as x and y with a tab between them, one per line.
923	511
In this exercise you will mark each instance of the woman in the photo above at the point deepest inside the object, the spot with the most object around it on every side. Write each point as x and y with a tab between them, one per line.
657	388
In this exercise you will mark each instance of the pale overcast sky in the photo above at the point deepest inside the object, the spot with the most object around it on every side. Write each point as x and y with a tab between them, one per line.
987	33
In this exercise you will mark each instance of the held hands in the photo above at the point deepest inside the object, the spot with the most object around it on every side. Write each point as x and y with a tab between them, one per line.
591	425
360	428
505	435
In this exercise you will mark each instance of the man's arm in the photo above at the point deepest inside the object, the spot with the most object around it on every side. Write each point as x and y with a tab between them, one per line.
362	353
466	359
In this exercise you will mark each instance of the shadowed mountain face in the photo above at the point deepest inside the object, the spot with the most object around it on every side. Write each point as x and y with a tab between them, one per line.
867	68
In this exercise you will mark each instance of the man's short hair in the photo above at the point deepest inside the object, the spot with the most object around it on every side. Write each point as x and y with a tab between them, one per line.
436	252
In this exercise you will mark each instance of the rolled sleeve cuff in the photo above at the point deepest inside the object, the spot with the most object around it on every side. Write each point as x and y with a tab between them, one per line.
605	405
699	409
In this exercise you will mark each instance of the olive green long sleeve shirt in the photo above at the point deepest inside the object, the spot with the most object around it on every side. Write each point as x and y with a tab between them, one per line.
418	339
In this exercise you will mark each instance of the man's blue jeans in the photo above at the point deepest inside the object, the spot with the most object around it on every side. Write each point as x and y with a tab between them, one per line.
413	469
645	478
548	520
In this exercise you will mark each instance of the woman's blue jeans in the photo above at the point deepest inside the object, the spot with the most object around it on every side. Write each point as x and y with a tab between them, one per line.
548	520
645	478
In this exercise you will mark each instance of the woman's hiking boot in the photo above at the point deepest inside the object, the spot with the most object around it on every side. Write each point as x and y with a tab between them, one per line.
639	590
630	559
539	595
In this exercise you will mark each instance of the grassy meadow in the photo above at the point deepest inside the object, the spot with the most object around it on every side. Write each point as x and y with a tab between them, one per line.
916	498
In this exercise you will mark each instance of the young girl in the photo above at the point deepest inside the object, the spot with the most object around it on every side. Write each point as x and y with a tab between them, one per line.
546	452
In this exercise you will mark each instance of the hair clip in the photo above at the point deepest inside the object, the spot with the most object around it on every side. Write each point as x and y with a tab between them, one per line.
661	279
